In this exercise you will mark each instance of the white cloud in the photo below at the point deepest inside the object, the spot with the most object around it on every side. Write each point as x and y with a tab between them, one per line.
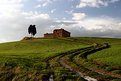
8	7
91	26
35	15
69	12
53	10
38	6
43	3
16	28
101	23
15	22
95	3
78	16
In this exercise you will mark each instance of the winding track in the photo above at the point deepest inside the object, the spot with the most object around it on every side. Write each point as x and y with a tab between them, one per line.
62	59
65	60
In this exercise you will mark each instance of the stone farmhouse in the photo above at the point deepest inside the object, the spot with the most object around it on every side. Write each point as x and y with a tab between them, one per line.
57	33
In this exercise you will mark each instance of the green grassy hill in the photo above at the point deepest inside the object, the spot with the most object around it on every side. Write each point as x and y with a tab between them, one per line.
111	56
22	60
29	52
30	55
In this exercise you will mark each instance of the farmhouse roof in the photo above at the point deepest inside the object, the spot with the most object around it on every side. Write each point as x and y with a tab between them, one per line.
61	29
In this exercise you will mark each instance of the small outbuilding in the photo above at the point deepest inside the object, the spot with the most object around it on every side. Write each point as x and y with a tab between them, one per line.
48	35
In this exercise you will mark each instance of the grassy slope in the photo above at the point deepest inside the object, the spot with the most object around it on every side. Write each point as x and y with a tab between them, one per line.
31	53
34	51
111	56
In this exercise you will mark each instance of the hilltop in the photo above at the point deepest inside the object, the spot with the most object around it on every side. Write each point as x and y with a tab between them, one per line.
27	59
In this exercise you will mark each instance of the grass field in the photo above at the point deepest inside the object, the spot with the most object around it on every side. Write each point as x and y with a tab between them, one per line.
111	56
28	53
26	58
19	60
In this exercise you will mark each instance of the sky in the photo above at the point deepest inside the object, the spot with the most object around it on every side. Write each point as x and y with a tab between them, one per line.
88	18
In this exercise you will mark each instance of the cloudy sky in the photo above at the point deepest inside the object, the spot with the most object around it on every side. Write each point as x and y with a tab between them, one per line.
100	18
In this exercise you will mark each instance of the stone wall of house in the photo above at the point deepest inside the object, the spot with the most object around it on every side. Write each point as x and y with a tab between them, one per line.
58	33
66	34
61	33
48	35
